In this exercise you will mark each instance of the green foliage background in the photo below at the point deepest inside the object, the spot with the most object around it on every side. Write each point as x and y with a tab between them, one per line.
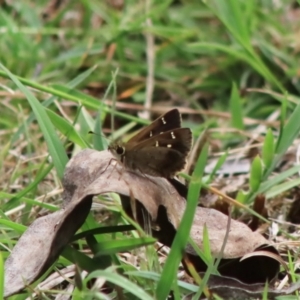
236	62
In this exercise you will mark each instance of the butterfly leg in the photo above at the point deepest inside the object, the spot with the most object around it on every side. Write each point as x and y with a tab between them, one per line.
123	170
109	163
115	168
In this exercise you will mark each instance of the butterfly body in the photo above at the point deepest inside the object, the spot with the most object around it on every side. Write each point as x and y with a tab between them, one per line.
159	149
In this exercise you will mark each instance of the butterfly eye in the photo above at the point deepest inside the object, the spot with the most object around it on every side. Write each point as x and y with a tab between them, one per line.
120	150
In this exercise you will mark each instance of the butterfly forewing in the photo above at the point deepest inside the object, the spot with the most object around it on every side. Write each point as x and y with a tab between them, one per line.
179	139
165	122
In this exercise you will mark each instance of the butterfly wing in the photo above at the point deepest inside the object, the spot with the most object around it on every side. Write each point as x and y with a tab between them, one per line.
179	139
162	162
161	155
168	121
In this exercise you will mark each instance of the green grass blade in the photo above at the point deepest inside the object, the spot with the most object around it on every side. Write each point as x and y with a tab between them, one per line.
115	246
55	146
281	188
78	258
40	175
289	132
206	244
265	186
99	141
218	165
200	252
14	226
268	149
103	230
255	174
230	12
66	129
169	272
72	84
236	108
232	15
120	281
155	277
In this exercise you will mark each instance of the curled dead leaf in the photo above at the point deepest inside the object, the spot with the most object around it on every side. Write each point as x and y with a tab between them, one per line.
230	288
92	173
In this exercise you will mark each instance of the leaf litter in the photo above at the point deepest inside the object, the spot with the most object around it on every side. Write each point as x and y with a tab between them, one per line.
91	173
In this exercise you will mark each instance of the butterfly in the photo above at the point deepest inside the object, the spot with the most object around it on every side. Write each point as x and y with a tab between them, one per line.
159	149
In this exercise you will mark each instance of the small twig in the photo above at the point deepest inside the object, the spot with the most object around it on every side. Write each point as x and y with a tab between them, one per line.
220	255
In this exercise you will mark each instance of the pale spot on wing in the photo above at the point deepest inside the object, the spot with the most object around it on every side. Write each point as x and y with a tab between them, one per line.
156	144
169	146
150	133
173	135
163	120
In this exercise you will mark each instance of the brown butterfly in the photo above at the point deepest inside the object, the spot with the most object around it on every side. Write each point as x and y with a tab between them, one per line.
159	149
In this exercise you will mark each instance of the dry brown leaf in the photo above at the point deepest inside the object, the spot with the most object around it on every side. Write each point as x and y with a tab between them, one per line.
229	288
91	173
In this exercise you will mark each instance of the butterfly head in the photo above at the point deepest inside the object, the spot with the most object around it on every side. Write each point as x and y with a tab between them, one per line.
118	151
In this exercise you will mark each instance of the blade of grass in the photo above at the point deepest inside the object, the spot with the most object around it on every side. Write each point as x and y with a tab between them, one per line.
15	226
100	142
169	272
255	174
200	252
232	15
115	246
83	261
268	149
229	12
218	165
103	230
40	175
289	132
120	281
213	267
76	96
265	186
191	288
55	146
66	129
281	188
236	108
72	84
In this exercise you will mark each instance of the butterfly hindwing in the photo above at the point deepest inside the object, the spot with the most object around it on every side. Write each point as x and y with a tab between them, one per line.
159	149
162	155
